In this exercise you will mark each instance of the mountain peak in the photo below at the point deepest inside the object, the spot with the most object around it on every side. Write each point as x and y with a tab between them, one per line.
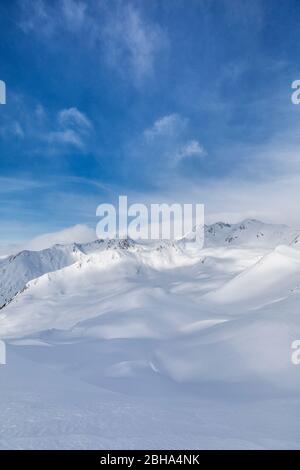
251	232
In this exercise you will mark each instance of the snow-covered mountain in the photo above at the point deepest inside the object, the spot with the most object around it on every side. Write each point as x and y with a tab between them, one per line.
17	270
157	323
67	284
249	232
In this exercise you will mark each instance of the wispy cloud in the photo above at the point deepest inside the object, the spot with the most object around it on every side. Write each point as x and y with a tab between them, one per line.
166	126
75	13
74	129
79	233
67	137
12	185
130	42
11	128
74	117
36	16
169	138
133	42
192	148
45	18
70	128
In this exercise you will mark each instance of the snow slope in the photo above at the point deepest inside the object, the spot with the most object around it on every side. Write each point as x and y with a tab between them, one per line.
17	270
273	277
120	344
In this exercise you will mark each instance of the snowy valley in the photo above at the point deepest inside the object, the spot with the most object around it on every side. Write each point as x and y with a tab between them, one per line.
125	344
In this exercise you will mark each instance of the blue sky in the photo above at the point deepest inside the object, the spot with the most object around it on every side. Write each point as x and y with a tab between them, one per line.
173	100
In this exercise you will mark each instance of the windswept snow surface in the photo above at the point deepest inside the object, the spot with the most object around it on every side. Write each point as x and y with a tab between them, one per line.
120	344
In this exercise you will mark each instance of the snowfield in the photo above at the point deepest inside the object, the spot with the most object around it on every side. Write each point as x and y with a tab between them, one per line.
123	344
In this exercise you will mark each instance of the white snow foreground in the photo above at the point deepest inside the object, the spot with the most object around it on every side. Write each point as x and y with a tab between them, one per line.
119	344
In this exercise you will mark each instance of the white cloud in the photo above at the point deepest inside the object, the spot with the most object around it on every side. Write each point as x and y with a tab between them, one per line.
73	130
142	40
169	140
132	43
74	117
192	148
18	130
74	13
44	133
45	18
36	16
166	126
10	184
77	234
12	128
66	137
40	113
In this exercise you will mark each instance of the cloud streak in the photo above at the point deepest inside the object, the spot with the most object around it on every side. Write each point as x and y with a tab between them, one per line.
191	149
169	139
130	42
166	126
133	42
33	126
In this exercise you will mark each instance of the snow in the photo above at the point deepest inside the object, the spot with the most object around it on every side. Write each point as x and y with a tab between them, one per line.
17	270
267	280
122	344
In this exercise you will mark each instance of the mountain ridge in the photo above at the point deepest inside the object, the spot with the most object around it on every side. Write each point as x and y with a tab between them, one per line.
19	269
